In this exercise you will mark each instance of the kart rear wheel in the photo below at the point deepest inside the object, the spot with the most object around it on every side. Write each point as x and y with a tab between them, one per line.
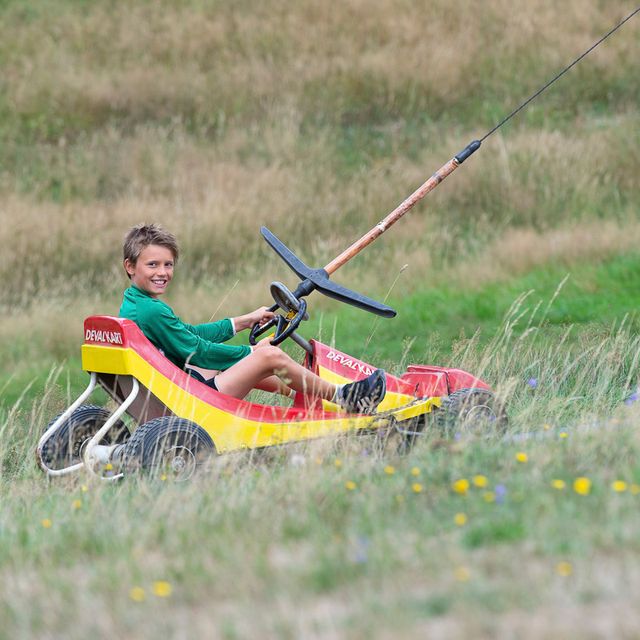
471	412
66	445
169	447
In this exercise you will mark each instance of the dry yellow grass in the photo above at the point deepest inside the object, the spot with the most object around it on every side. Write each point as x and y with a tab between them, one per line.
509	192
145	59
216	119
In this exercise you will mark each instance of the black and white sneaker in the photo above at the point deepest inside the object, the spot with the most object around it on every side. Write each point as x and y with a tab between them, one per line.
365	395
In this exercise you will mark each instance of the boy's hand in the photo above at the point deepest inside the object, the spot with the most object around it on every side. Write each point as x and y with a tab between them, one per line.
260	316
265	342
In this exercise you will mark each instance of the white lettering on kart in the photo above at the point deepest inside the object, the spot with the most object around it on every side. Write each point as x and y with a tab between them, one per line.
349	362
97	335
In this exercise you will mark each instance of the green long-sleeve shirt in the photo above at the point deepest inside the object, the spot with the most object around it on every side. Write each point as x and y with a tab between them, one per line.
180	342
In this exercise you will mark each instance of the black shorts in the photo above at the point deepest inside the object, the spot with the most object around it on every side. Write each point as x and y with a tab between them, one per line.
211	382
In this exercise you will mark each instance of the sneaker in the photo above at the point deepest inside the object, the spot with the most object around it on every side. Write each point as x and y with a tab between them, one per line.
365	395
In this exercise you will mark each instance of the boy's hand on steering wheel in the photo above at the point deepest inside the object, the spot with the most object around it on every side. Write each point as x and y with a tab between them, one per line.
265	342
260	316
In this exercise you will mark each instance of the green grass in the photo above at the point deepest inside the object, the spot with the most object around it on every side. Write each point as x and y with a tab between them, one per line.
591	298
385	556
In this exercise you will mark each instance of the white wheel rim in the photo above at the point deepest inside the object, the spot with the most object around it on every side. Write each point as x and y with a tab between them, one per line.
180	462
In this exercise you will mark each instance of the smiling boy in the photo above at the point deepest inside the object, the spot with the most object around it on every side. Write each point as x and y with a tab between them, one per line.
150	255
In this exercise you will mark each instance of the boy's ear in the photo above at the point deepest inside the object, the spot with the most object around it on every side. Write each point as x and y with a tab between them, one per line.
129	266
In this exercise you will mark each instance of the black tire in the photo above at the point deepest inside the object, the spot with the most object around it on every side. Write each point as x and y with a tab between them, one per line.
471	411
66	446
169	446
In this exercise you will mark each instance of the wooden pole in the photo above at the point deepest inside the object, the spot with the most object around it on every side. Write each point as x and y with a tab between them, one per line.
446	170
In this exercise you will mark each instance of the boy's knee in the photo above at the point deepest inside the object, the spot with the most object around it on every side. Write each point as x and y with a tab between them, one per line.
273	357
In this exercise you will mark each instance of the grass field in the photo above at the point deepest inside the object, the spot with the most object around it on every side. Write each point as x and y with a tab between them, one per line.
316	120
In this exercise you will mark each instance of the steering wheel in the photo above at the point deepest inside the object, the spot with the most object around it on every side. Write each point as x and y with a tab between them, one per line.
296	312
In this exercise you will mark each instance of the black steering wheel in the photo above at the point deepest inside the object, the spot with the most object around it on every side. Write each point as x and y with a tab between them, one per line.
296	312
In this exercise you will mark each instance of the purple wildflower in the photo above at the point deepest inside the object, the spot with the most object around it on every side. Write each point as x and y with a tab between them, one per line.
533	382
501	493
360	551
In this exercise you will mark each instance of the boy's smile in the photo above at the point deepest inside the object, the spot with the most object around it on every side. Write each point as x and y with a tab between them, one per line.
153	269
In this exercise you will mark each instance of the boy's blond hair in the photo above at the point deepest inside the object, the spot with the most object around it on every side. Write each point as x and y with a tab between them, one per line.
143	235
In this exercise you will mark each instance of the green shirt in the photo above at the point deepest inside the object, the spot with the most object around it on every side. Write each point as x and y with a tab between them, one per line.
180	342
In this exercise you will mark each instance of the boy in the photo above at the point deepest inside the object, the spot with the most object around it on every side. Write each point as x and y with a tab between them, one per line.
150	255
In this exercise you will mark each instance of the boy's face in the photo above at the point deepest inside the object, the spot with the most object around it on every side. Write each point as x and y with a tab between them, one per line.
153	270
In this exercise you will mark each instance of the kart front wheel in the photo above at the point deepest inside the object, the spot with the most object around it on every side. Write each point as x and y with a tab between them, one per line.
66	445
168	447
471	411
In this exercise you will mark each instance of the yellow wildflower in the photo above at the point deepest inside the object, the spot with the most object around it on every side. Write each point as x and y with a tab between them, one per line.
46	523
76	504
137	594
564	569
84	488
558	484
416	487
389	470
460	519
619	486
162	589
582	486
489	496
546	427
521	456
480	481
338	463
564	434
461	486
350	485
415	471
462	574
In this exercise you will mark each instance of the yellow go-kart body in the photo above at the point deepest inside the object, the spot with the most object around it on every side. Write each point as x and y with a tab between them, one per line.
117	352
160	397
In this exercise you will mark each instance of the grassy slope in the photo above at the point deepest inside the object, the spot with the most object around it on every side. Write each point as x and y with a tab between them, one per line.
592	296
332	540
215	118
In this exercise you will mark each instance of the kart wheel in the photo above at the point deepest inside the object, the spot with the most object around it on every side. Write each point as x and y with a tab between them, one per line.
66	446
168	446
471	411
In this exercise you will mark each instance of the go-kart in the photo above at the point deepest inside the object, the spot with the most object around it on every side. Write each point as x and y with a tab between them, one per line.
181	421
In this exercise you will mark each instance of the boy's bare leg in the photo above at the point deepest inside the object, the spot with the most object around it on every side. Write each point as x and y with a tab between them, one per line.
261	365
273	384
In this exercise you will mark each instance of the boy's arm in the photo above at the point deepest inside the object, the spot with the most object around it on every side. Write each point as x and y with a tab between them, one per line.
222	330
219	331
181	344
